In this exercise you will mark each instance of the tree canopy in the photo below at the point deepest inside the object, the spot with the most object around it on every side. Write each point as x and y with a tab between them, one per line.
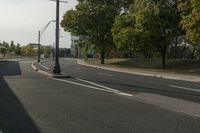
135	25
190	11
94	20
148	23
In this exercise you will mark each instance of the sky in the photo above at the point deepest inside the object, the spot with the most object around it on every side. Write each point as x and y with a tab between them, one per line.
20	21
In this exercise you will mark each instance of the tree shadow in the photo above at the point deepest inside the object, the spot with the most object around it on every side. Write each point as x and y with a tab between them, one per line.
13	116
10	68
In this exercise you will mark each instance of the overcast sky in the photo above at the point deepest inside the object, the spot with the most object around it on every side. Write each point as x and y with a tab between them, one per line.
20	21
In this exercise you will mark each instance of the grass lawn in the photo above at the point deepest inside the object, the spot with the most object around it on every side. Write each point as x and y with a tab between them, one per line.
177	66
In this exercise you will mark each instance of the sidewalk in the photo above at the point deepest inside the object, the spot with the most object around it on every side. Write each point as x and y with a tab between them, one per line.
145	72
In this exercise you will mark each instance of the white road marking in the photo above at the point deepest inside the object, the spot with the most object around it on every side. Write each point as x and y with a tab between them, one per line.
106	74
44	66
184	88
95	88
32	65
98	85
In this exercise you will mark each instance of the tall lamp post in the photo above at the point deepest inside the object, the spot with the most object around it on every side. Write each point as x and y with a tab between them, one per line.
56	68
40	32
38	46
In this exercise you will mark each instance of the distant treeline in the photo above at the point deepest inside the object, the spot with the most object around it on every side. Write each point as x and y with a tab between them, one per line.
12	49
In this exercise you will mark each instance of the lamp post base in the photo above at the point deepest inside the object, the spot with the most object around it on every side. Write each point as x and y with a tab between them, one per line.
56	69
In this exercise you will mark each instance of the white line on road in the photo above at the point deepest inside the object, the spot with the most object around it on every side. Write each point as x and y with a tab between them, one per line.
44	66
184	88
98	85
95	88
106	74
32	65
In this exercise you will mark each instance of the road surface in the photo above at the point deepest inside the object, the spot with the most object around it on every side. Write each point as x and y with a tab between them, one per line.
33	103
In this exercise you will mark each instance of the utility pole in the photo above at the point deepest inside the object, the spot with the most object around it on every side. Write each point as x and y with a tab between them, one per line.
53	51
38	46
40	32
56	69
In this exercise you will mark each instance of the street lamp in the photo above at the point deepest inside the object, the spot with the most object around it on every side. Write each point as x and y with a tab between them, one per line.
40	32
56	68
59	1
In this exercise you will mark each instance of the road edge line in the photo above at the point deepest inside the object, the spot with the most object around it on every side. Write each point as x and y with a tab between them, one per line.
34	68
113	91
41	71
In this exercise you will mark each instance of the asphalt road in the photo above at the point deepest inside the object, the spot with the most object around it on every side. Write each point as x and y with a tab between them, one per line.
33	103
131	83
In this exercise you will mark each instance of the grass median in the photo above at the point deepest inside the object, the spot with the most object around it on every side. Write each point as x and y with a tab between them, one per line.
190	67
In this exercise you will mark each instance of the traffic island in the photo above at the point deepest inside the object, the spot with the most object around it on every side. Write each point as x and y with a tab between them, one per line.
48	72
62	75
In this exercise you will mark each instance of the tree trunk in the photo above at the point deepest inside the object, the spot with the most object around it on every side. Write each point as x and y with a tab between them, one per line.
176	47
164	59
130	54
193	52
102	57
183	50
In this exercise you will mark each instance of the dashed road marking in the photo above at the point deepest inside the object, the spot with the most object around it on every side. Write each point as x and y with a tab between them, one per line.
106	74
184	88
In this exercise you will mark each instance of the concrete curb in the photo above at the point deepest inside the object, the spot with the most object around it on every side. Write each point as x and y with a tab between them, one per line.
63	75
45	61
169	76
34	68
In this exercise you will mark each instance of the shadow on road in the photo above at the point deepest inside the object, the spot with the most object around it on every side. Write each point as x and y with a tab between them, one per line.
13	116
10	68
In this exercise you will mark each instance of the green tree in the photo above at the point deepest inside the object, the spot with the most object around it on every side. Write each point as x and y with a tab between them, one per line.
29	50
158	21
12	47
4	48
3	51
190	12
94	20
47	52
17	50
5	44
124	33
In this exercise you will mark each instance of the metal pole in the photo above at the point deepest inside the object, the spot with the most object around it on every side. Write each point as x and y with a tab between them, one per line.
56	69
38	46
53	51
